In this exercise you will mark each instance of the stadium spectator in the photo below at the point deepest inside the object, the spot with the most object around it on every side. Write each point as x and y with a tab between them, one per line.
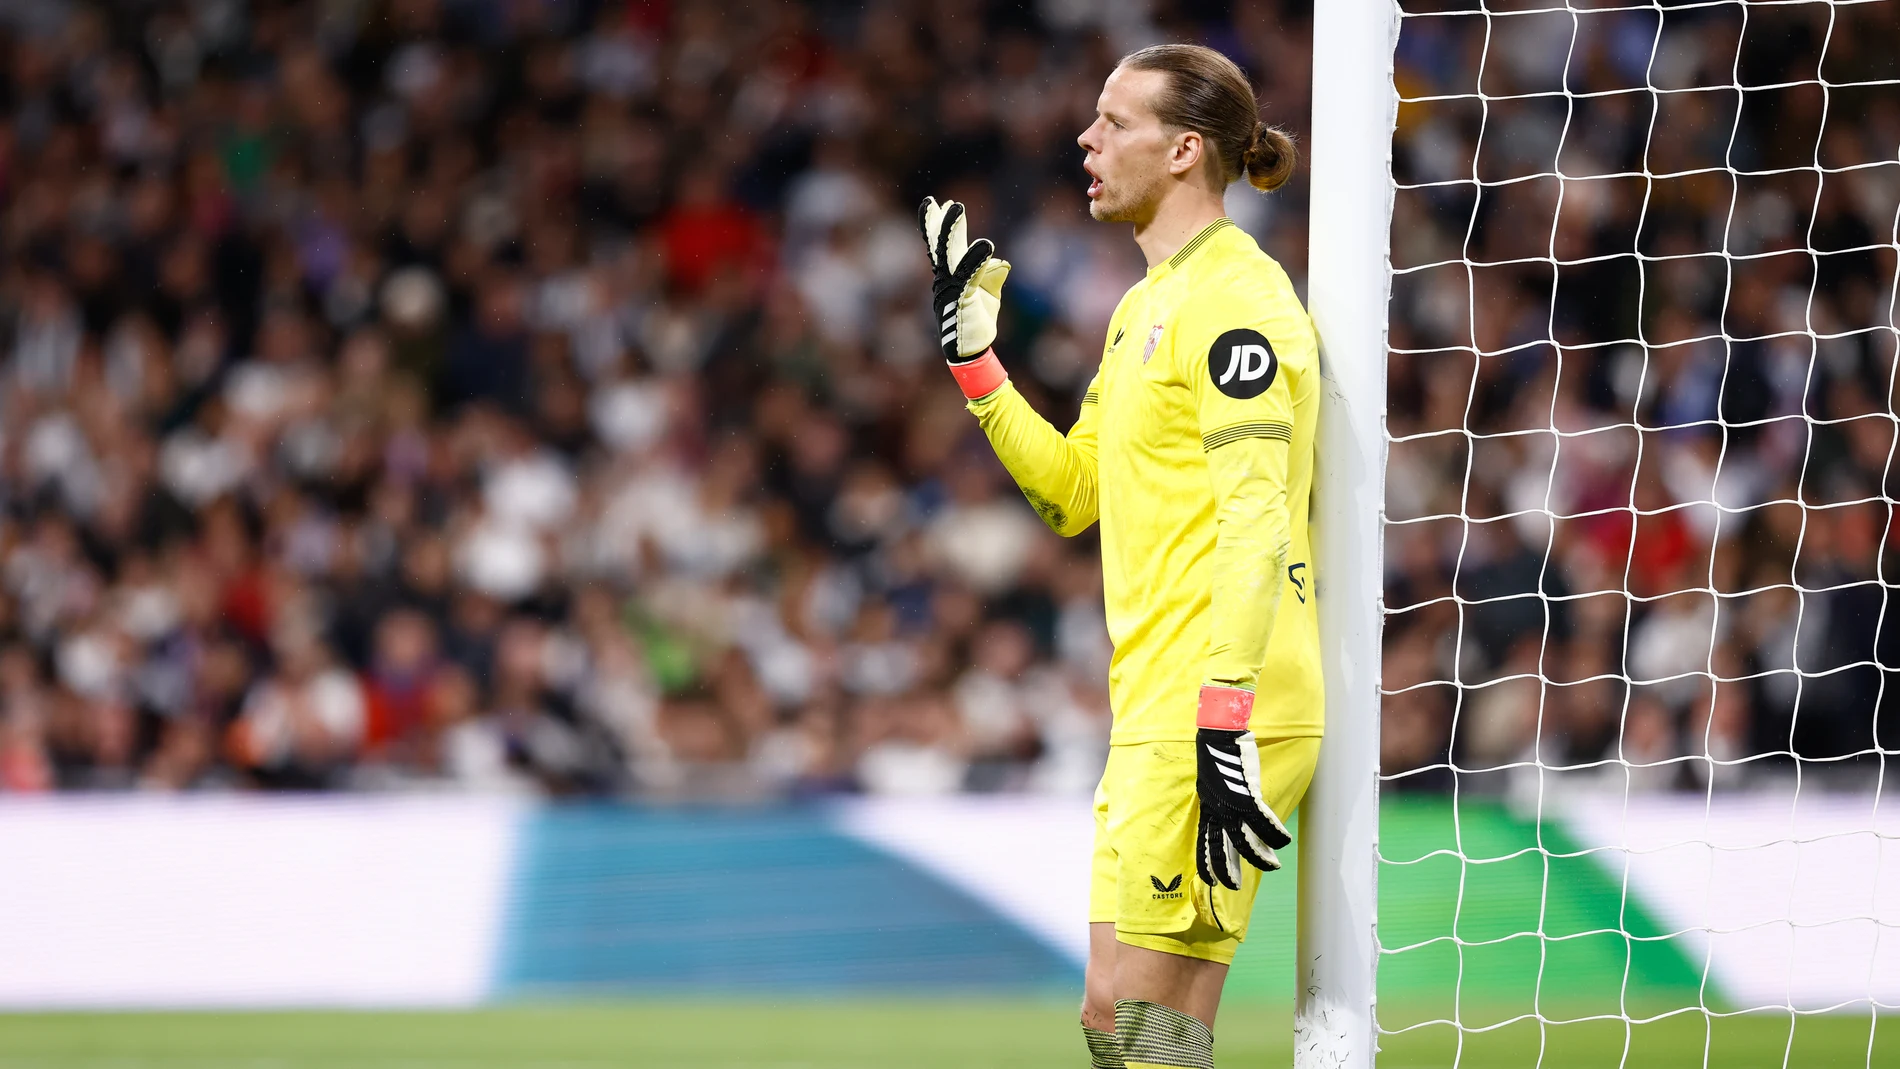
1721	406
537	397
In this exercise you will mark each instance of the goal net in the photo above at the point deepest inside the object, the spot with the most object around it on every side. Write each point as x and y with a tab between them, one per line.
1640	629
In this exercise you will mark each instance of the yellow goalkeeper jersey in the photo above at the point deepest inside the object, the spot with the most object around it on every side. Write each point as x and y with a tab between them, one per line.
1194	450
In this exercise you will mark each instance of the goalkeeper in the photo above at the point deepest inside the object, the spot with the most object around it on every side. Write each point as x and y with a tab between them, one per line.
1194	450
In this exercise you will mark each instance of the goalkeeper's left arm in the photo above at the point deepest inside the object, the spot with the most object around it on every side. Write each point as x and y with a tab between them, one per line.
1055	471
1245	404
1254	531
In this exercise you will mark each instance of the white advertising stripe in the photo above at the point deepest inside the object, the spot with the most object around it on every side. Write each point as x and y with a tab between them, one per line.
1796	905
1025	858
242	902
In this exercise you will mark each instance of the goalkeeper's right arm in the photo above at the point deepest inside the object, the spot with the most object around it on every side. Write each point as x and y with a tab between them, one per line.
1056	473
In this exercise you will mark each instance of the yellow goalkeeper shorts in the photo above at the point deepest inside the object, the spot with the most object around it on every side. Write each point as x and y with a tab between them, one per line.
1146	815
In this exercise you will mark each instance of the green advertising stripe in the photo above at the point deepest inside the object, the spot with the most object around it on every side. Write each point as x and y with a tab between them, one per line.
1481	922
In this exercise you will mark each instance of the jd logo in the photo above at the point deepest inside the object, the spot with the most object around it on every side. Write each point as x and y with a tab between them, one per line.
1171	889
1242	364
1249	360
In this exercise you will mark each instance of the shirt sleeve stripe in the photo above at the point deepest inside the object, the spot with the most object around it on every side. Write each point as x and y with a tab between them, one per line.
1092	397
1234	433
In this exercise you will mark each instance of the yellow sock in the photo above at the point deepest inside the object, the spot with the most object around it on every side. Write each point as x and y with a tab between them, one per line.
1154	1036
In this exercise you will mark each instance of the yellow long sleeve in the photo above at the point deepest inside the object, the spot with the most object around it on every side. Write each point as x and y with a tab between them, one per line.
1056	472
1250	556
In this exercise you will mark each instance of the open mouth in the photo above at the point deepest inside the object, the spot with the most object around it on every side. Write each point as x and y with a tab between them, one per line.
1095	182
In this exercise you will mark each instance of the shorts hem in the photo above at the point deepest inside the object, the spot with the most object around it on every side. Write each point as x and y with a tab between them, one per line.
1221	951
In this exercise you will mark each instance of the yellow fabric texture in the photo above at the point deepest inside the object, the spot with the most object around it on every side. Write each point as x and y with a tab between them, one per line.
1142	876
1202	494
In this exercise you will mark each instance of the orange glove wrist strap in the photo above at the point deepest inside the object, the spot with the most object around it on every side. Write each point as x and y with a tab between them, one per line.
980	377
1225	708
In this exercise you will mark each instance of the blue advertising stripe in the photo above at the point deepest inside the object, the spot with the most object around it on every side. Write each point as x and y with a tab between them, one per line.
608	898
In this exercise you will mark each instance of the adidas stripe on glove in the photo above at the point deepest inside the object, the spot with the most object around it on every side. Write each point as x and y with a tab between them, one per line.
966	291
1236	822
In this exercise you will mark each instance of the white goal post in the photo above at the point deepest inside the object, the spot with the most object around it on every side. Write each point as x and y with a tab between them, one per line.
1348	280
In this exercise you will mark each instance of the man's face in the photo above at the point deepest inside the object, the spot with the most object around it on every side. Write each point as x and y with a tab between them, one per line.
1128	149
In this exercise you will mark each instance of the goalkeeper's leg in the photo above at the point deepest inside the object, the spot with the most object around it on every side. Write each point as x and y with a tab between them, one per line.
1098	980
1164	1008
1098	998
1169	1002
1174	933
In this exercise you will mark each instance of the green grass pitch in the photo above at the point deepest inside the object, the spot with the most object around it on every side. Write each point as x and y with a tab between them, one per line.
956	1033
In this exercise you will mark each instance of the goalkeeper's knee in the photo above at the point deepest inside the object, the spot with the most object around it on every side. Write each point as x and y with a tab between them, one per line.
1155	1035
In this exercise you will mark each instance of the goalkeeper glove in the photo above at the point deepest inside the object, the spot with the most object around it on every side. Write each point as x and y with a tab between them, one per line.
1236	821
966	290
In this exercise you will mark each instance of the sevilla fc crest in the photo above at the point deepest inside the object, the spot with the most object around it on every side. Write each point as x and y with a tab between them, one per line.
1154	339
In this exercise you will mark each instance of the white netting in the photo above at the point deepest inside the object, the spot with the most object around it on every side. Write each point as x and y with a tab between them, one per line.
1640	530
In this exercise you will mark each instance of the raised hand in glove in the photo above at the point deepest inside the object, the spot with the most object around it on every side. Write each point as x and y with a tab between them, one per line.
966	291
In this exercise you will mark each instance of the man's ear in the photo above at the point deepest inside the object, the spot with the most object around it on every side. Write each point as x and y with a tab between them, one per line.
1186	152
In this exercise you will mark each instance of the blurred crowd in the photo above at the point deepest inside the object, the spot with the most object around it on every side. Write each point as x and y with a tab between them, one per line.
541	397
1642	476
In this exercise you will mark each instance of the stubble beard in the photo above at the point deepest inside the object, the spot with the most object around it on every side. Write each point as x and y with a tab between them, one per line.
1132	206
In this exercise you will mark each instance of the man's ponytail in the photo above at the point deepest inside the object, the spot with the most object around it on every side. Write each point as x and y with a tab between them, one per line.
1268	161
